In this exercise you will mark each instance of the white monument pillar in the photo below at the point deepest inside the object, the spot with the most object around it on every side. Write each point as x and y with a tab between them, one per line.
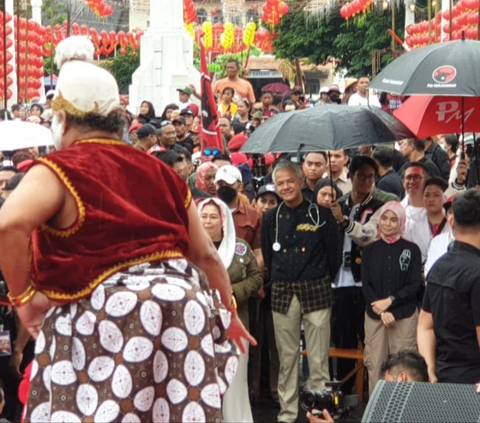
166	58
37	11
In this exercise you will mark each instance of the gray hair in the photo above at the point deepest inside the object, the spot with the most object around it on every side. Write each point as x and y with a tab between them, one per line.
286	164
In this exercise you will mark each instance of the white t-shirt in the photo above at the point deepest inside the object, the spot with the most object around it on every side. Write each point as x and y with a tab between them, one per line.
357	100
438	247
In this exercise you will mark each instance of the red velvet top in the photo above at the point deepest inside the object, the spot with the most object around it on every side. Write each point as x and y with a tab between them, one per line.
131	208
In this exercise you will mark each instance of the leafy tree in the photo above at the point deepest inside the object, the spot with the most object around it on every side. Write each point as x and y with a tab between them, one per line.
54	12
352	42
122	67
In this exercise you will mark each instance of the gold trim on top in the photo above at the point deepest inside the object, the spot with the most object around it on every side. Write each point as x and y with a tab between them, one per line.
67	232
61	103
160	255
188	199
102	141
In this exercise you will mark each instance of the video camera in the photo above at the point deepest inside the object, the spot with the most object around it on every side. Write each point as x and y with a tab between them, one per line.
332	399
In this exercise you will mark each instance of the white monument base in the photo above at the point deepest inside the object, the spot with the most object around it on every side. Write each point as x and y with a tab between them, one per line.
166	58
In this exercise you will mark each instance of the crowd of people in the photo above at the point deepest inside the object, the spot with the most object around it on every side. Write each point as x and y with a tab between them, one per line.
149	253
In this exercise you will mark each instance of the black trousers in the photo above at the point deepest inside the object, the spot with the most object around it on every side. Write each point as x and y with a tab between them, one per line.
348	327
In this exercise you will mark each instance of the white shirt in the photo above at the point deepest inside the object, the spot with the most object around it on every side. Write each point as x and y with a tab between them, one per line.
357	100
438	247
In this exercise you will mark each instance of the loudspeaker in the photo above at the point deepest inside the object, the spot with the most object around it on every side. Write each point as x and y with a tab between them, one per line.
423	403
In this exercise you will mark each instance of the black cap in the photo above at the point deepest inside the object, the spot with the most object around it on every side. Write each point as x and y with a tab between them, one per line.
297	89
187	111
178	119
267	189
145	130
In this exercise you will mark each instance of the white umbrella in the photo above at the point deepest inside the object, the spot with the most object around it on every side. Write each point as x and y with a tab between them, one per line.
15	135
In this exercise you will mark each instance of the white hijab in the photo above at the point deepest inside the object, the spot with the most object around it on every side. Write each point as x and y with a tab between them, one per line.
226	250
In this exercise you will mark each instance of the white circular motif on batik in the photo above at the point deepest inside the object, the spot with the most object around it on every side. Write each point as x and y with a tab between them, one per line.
151	317
221	385
50	312
176	391
34	369
138	283
107	412
193	412
137	349
63	325
174	339
101	368
160	367
195	279
41	413
122	382
231	369
207	345
131	418
98	297
223	348
121	303
64	417
168	292
225	317
87	399
40	343
211	395
180	265
201	298
161	411
53	346
194	317
194	368
179	282
78	354
144	399
47	378
86	323
73	309
63	373
111	337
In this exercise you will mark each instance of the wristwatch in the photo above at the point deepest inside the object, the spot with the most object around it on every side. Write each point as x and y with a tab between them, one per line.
392	298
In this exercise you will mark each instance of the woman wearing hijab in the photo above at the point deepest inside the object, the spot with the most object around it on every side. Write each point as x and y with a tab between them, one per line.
205	178
167	112
323	193
391	277
147	112
246	279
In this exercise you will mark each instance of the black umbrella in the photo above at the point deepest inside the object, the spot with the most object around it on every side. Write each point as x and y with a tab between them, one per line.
326	127
449	69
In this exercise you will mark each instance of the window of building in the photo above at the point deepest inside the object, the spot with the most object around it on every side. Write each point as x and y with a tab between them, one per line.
202	16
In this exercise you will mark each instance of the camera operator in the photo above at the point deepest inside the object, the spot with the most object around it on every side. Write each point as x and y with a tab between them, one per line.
403	366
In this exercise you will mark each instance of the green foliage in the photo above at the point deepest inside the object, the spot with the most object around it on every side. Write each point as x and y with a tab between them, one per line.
350	42
54	12
122	68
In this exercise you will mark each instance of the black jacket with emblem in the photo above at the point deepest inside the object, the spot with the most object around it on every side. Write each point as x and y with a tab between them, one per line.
245	277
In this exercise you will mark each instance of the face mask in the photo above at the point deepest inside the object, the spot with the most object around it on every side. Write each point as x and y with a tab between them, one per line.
226	194
57	132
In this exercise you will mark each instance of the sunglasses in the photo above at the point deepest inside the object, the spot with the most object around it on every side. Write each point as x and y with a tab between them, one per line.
211	152
165	123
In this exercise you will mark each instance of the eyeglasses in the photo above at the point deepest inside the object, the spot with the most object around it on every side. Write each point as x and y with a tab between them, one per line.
416	178
211	152
364	178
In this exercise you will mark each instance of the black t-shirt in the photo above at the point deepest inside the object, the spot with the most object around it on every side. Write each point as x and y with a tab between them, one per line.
187	143
453	298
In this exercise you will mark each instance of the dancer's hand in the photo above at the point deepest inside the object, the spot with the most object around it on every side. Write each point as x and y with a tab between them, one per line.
33	313
237	333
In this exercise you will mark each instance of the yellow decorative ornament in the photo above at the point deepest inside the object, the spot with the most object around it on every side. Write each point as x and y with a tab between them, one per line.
208	34
249	34
228	36
190	30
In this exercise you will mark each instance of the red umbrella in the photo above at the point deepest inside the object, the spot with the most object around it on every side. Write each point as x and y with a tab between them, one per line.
277	88
433	115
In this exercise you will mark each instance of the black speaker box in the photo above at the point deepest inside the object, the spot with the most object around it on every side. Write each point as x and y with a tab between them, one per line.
423	403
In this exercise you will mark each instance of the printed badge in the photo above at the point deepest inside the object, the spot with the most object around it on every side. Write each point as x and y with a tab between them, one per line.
240	249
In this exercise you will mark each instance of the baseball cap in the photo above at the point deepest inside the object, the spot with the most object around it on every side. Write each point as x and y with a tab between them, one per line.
333	87
145	130
257	115
297	89
187	111
134	127
229	174
178	119
323	90
237	141
267	189
238	158
186	90
196	130
194	108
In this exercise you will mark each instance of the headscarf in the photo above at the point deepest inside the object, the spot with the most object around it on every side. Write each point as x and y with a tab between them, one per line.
201	174
171	106
151	111
397	208
226	250
324	182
